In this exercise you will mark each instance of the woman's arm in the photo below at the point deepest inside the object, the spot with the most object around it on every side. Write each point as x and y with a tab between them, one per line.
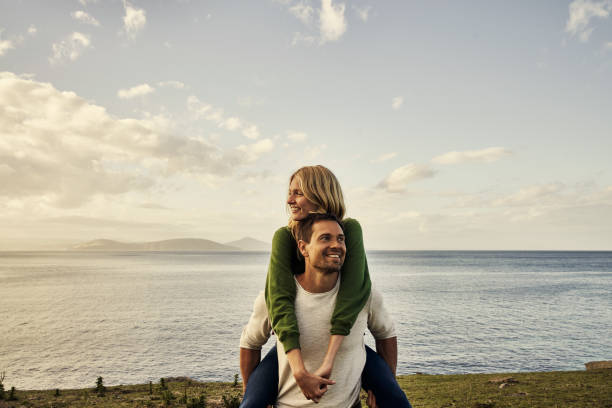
355	281
280	289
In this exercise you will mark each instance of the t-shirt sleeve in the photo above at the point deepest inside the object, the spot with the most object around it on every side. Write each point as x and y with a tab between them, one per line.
380	322
280	289
257	331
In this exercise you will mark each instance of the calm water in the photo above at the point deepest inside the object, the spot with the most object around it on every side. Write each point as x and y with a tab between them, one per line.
67	318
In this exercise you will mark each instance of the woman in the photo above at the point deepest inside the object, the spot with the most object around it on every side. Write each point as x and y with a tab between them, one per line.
313	189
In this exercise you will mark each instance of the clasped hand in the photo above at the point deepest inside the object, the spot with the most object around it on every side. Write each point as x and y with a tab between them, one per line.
313	386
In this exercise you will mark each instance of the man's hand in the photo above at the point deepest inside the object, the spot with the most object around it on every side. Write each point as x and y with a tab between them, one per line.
371	400
313	386
324	371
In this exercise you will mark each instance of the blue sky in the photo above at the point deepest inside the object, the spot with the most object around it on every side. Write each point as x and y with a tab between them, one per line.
451	125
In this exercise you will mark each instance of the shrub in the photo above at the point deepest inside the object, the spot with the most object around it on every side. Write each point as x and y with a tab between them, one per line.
12	396
167	397
100	388
232	401
57	392
235	384
150	387
2	375
199	402
162	384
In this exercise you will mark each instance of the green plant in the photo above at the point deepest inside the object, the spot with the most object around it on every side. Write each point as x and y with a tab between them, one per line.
57	392
167	397
150	387
162	383
100	388
199	402
232	401
2	375
235	384
12	396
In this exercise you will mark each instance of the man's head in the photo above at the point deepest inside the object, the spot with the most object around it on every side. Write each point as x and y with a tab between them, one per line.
321	242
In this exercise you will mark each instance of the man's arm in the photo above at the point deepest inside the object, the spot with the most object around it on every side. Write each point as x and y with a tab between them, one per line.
248	361
387	349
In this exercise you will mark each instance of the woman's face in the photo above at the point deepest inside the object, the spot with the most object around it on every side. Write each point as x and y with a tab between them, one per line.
299	206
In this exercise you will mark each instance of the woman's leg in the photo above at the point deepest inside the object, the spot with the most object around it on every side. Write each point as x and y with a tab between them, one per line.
262	388
378	378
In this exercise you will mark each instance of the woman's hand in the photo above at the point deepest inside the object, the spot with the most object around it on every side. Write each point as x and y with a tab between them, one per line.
325	370
371	401
313	386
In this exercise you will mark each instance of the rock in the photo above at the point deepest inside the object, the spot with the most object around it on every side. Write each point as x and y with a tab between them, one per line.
596	365
499	380
503	385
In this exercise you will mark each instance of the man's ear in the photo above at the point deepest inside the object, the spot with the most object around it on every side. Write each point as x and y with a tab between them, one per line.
302	248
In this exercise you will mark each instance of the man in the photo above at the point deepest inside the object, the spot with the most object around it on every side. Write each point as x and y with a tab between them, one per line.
321	242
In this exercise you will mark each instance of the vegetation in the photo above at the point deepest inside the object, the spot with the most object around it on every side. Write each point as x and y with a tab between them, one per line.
100	388
567	389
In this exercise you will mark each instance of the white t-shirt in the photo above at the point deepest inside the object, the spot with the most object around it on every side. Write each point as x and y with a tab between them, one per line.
313	312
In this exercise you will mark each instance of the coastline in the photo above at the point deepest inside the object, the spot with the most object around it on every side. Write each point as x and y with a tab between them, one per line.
577	389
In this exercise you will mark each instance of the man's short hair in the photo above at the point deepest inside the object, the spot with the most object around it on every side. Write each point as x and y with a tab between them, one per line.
304	228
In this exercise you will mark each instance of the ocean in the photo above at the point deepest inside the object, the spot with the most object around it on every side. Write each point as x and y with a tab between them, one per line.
132	317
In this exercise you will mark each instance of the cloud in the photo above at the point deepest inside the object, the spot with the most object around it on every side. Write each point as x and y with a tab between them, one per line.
32	30
296	136
532	195
85	2
332	21
312	152
397	180
303	11
5	45
383	157
138	90
60	150
397	102
85	18
70	47
255	150
134	19
362	12
487	155
172	84
581	12
217	116
299	38
608	46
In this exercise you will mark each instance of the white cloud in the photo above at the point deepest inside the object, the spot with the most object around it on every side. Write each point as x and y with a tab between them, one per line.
487	155
581	12
312	152
397	102
5	45
134	20
383	157
251	132
172	84
363	12
255	150
138	90
299	38
70	47
532	195
85	18
32	29
61	150
397	180
303	11
608	46
216	115
296	136
332	21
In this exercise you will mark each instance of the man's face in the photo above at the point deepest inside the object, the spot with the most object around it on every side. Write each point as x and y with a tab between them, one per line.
326	249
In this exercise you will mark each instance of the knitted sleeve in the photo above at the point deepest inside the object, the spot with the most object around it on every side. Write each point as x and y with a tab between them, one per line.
280	288
355	281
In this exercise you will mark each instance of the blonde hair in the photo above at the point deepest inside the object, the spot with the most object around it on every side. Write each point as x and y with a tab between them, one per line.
321	188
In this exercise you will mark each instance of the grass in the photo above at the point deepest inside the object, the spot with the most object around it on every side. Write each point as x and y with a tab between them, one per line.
563	389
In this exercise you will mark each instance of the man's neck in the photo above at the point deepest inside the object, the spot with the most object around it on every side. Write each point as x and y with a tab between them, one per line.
316	281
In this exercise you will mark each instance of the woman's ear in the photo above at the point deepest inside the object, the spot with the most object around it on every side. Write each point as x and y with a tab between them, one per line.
302	248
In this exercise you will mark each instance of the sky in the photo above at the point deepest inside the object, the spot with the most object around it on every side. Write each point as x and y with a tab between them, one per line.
473	125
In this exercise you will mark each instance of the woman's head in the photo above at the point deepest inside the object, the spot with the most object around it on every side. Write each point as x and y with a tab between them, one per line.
314	189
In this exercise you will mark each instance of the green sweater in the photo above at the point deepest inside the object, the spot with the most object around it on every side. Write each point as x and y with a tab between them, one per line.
280	286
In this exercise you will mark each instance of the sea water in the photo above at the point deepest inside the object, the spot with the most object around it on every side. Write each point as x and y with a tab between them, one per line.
131	317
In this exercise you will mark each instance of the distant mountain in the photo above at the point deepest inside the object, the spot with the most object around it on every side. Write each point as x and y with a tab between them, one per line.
250	244
184	244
